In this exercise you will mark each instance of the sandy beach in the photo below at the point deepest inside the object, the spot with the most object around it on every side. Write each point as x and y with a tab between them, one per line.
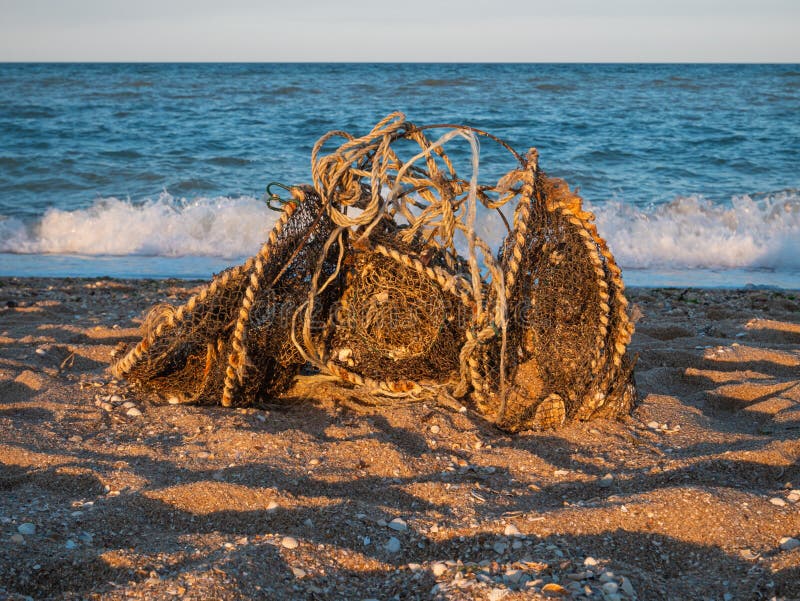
107	494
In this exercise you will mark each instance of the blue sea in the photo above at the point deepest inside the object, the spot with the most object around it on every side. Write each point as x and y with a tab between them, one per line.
159	170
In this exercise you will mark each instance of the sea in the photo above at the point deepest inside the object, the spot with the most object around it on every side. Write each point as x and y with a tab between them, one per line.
160	170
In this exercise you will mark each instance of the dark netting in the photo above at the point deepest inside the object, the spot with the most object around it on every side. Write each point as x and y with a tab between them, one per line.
567	322
395	322
231	341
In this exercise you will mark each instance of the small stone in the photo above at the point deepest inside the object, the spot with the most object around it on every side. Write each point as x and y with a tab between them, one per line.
654	425
133	412
606	576
512	530
794	496
392	545
778	502
173	400
513	576
344	354
435	429
298	573
272	506
17	538
414	567
398	524
552	589
788	543
126	404
627	587
727	596
71	544
606	481
590	562
106	406
86	538
27	529
289	542
438	568
496	594
560	473
500	547
610	587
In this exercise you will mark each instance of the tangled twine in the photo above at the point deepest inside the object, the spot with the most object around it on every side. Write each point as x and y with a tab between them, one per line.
381	234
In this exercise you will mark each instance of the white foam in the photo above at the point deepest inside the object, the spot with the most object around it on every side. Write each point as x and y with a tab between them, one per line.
692	232
688	233
167	227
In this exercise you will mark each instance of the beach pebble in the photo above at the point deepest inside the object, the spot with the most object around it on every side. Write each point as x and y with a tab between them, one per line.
654	425
513	576
133	412
627	587
173	400
610	588
590	562
106	406
435	429
794	496
398	524
126	404
606	481
500	547
17	538
511	530
560	473
788	543
289	542
496	594
272	506
778	502
438	569
298	573
27	529
552	589
392	545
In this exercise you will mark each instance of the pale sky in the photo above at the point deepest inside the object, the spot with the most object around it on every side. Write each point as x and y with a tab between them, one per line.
404	30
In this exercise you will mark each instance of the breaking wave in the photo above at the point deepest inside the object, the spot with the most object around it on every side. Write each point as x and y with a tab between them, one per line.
750	232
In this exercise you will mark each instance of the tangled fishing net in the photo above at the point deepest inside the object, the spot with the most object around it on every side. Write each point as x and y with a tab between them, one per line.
376	275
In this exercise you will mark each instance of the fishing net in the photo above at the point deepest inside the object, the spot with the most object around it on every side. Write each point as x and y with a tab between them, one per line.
395	323
569	323
230	343
377	276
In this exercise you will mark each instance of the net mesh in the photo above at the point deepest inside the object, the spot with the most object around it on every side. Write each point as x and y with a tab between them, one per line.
230	342
396	323
361	279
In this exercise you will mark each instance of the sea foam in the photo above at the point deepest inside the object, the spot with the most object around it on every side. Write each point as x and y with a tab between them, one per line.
750	232
166	227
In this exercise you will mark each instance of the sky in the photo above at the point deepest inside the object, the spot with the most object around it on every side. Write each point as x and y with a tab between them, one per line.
408	30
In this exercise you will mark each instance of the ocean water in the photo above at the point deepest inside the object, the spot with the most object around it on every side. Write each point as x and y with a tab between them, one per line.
159	170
